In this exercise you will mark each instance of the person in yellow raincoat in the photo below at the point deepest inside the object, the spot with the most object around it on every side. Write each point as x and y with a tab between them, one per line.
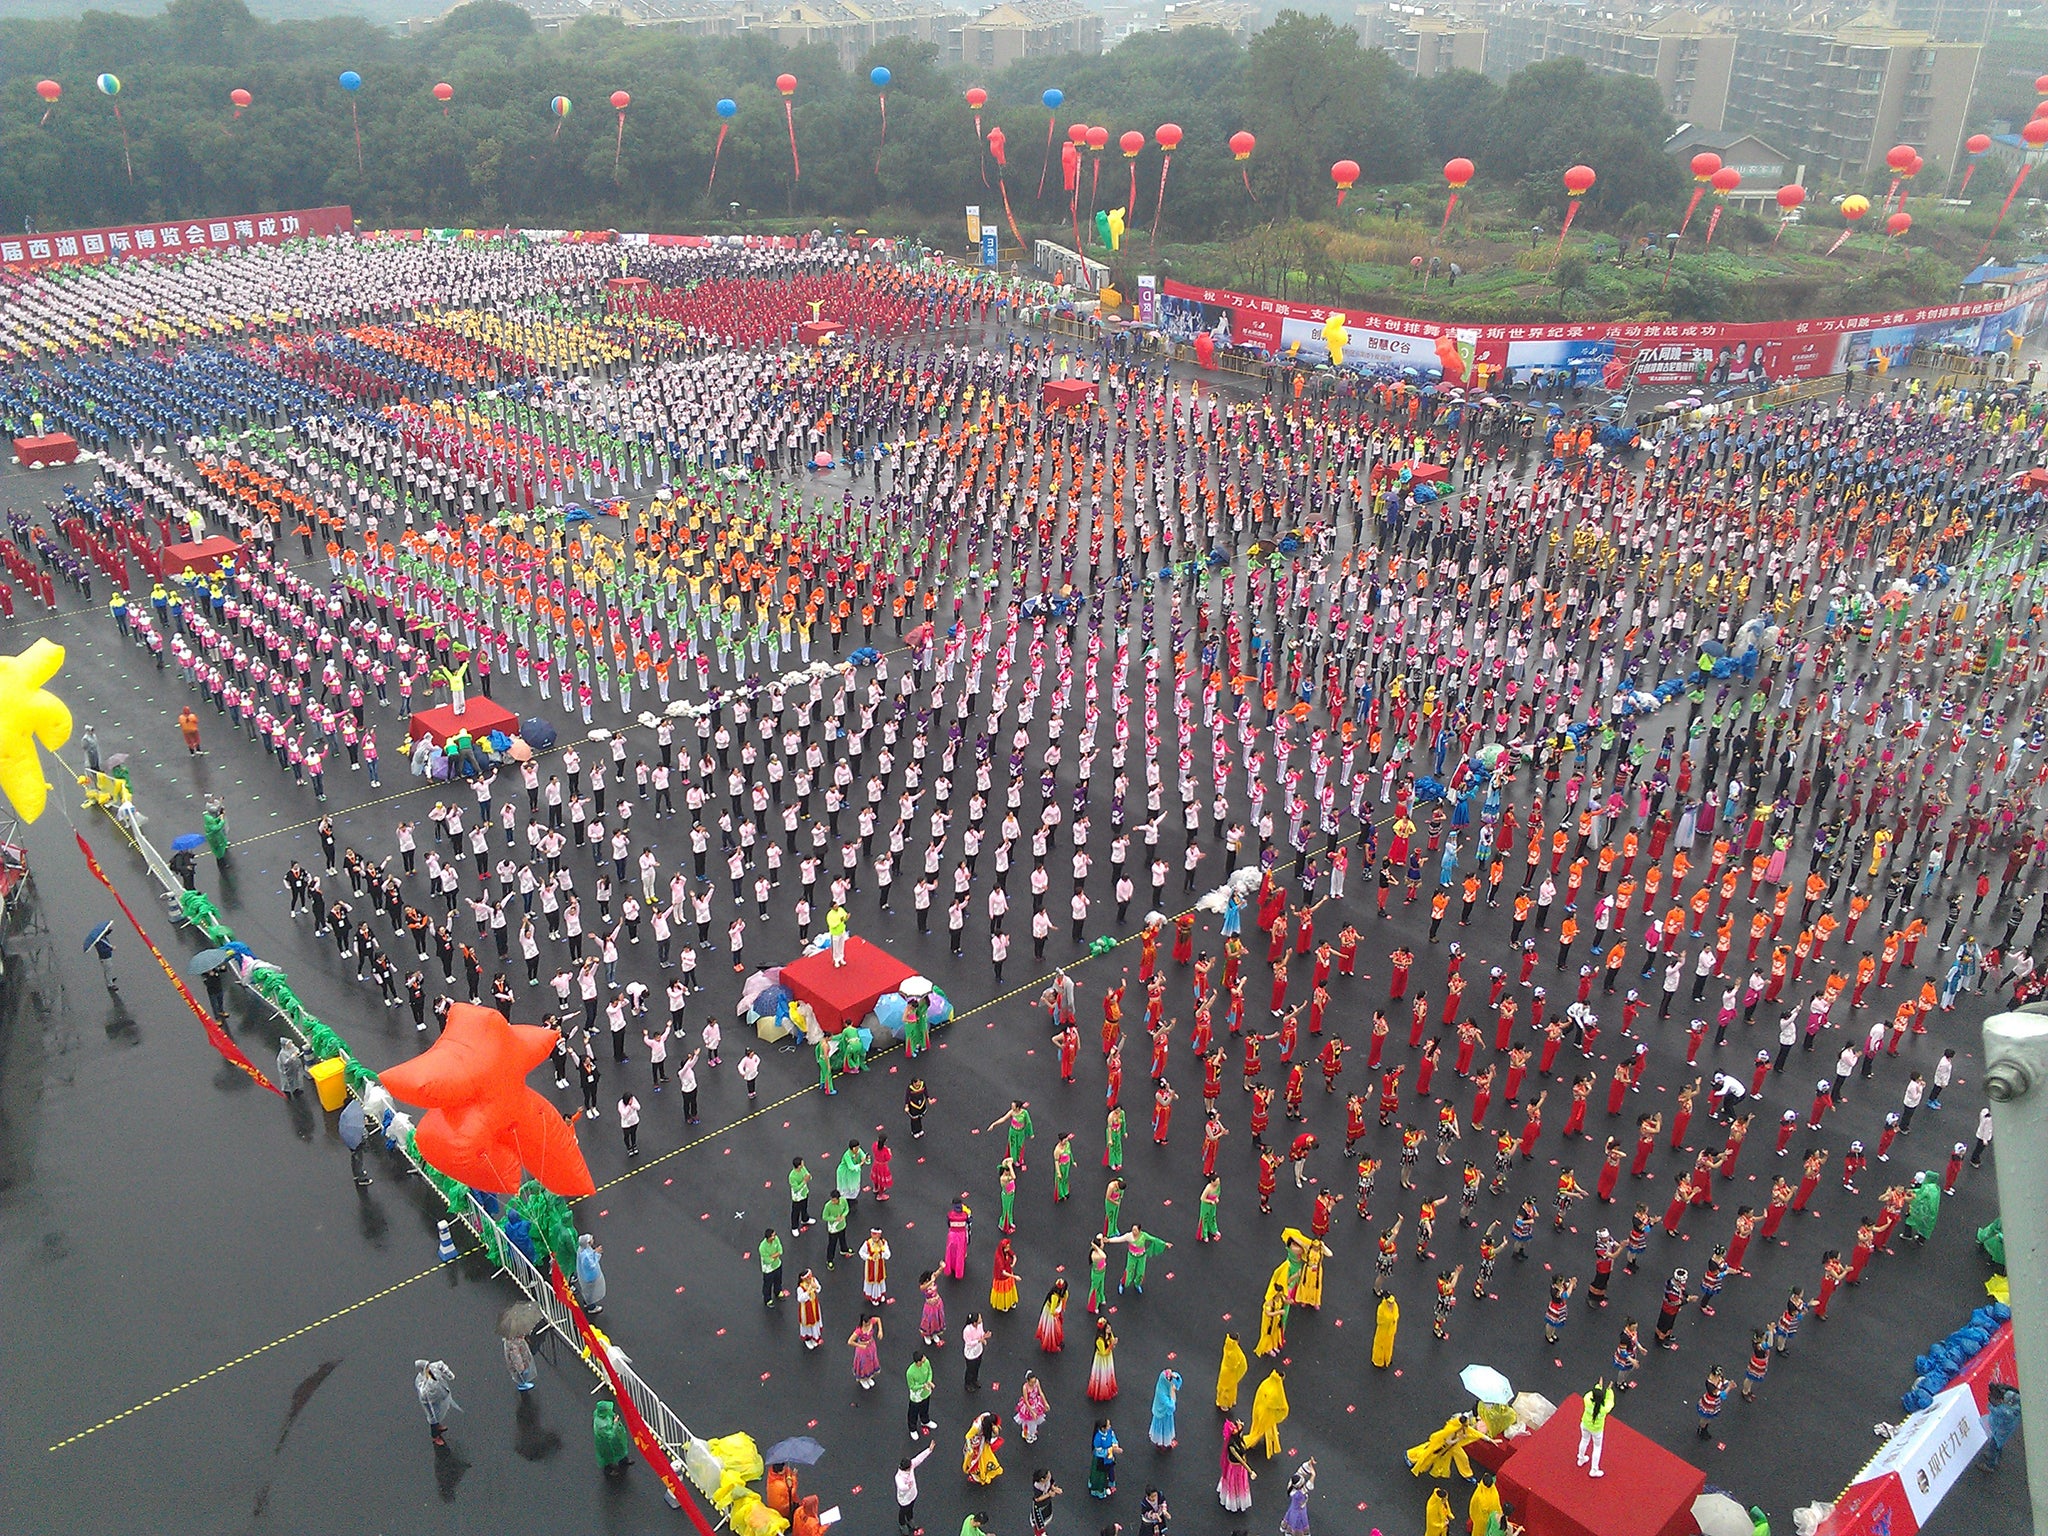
1269	1412
1273	1316
1444	1452
1383	1332
1230	1373
1485	1506
1436	1520
1304	1268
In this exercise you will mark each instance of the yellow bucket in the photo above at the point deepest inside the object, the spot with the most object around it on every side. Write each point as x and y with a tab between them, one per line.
329	1082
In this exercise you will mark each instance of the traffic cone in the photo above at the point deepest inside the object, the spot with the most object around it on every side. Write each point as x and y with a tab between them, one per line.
447	1242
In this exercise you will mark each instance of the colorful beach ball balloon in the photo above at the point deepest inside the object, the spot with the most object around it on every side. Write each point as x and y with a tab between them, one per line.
110	85
559	106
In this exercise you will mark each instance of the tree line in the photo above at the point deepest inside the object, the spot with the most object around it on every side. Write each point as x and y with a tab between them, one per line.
1304	86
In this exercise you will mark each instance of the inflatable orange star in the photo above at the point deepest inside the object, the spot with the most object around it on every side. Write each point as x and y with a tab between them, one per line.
483	1125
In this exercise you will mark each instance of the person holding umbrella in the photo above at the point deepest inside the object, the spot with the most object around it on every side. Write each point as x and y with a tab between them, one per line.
515	1325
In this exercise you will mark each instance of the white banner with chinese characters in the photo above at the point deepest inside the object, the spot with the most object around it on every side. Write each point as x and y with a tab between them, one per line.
167	237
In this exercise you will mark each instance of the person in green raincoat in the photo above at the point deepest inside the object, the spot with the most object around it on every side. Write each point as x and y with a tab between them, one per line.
1924	1208
614	1445
215	824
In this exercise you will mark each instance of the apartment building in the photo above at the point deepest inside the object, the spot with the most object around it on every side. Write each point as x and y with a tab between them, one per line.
1029	29
1834	92
1424	41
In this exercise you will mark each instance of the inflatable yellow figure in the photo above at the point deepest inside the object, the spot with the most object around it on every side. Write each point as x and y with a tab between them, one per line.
1269	1412
1231	1373
29	713
1334	337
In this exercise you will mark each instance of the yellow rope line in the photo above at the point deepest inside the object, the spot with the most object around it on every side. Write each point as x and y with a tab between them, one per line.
261	1349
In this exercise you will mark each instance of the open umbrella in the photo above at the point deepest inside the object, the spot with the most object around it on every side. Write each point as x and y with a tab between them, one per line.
1486	1384
799	1449
1719	1515
188	842
208	960
519	1320
95	936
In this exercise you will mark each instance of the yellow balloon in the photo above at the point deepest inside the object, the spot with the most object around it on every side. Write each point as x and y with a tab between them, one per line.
1334	337
29	713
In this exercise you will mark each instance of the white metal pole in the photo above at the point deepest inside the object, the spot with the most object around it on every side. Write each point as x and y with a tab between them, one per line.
2016	1082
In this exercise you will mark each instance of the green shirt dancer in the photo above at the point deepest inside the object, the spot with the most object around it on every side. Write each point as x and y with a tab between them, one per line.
1113	1154
1143	1248
1062	1168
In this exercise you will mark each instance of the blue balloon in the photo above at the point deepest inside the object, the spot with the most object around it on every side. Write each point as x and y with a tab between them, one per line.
351	81
1052	98
878	77
727	106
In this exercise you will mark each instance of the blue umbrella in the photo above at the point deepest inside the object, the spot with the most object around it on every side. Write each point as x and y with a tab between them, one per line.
187	842
96	937
801	1449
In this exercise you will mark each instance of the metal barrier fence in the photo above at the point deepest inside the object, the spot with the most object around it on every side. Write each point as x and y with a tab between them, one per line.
667	1427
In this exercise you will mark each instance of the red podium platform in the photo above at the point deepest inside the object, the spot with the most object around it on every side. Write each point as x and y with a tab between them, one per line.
815	333
204	556
480	717
1647	1491
51	448
1062	393
845	995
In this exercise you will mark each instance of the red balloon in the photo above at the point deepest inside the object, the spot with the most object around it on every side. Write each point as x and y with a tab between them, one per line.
1914	168
49	90
240	97
1098	138
2036	132
2041	84
1791	195
1242	144
1077	133
1344	172
483	1125
1899	156
444	92
1977	143
1130	142
1458	172
1704	164
1169	136
1898	224
977	98
786	84
621	100
1726	179
1578	181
